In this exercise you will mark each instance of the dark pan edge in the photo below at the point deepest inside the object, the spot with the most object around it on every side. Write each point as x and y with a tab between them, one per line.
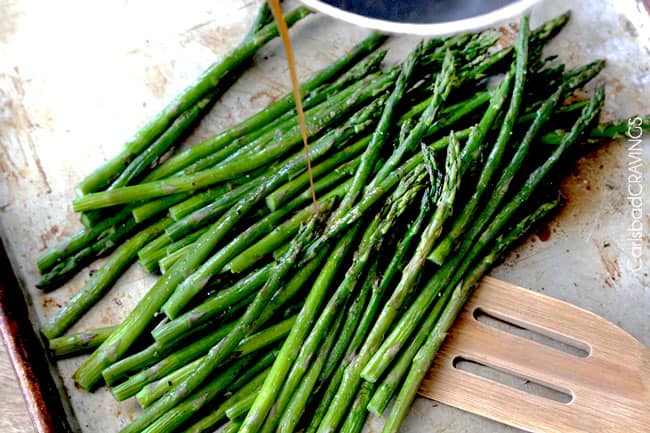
46	402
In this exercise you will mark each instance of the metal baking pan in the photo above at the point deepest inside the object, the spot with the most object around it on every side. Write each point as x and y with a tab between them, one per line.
78	78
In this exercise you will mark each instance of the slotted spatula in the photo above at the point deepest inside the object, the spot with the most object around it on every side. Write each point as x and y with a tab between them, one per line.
607	385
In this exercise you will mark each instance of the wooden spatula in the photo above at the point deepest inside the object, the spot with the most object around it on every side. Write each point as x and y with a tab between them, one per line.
605	378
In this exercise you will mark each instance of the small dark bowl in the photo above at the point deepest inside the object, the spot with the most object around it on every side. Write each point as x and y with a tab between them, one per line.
423	17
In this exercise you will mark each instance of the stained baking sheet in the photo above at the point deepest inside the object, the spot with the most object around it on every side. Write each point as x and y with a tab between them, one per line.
78	78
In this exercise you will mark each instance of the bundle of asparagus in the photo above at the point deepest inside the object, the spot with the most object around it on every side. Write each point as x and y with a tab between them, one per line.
279	317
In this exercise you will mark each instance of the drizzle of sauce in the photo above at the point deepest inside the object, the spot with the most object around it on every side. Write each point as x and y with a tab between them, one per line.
276	9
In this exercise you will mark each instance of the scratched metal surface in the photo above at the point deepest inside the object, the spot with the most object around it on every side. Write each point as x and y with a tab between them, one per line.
77	78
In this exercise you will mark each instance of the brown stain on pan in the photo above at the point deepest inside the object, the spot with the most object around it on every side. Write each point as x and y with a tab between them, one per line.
609	261
16	118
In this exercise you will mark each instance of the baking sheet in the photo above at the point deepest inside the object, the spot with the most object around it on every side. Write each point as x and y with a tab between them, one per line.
78	78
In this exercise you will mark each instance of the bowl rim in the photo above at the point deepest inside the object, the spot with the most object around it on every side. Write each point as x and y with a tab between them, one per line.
478	22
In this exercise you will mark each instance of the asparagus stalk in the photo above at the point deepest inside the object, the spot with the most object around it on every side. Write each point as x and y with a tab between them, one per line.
101	281
101	177
333	168
79	343
334	371
89	374
357	417
403	195
248	323
379	136
384	392
375	366
275	241
295	408
167	139
153	208
199	200
66	269
240	408
413	315
207	214
443	86
199	279
209	422
158	350
216	304
276	237
217	205
172	419
197	350
270	113
257	139
343	385
232	426
317	119
352	323
459	295
154	390
342	398
493	162
59	252
291	346
151	259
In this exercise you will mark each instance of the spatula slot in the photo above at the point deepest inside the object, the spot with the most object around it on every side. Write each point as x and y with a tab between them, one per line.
512	380
545	337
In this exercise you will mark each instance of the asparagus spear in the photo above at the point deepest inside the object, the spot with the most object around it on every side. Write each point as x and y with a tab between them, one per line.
379	136
194	283
493	162
172	419
217	205
413	315
248	323
443	86
150	260
317	119
209	422
79	343
153	208
211	211
256	139
101	177
295	408
199	279
378	290
390	173
352	362
384	392
197	350
158	350
197	201
273	111
100	281
59	252
276	237
350	380
357	417
89	374
333	168
459	296
444	204
290	347
66	269
404	194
